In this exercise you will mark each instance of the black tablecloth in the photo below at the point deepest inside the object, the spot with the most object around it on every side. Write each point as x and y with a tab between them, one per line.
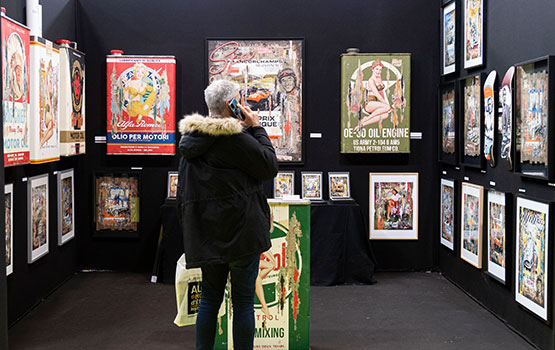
172	241
340	251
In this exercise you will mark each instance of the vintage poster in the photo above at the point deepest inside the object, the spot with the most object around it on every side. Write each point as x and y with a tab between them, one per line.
45	101
449	36
37	222
473	33
532	242
393	205
532	111
489	117
270	73
141	105
282	303
8	220
447	202
339	185
497	222
72	100
375	103
472	116
284	184
117	203
471	224
311	185
506	124
66	209
448	121
15	85
173	177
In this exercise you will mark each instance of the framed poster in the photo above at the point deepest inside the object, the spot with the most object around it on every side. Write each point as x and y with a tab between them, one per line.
471	223
393	205
532	256
448	38
117	204
534	118
37	217
375	103
284	184
339	185
447	213
472	129
311	185
506	121
15	96
66	206
8	215
270	73
448	124
141	104
173	177
497	235
473	33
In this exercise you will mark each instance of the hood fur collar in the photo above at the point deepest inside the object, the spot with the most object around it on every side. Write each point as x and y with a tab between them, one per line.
209	125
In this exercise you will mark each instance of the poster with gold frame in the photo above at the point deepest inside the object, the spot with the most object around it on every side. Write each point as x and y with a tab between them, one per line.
393	205
471	126
8	215
472	198
37	217
66	206
473	33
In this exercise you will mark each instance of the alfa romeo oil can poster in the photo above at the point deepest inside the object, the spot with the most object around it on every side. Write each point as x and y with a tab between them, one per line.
375	103
270	75
140	105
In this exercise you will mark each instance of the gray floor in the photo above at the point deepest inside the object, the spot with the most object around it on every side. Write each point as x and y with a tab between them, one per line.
402	311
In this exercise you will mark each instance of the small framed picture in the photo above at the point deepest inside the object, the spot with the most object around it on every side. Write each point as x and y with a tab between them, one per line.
8	214
447	203
473	33
37	214
284	184
497	235
472	126
448	124
471	223
66	206
339	185
449	37
311	185
172	184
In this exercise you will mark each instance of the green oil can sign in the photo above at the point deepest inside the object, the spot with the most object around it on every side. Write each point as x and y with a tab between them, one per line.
282	302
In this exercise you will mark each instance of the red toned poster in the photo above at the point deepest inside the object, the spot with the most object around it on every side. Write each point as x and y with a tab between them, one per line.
140	105
15	85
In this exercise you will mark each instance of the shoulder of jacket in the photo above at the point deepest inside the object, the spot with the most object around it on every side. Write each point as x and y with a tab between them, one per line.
210	125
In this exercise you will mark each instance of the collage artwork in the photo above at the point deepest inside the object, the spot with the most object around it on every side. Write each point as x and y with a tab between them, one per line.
449	38
496	234
473	33
312	185
39	215
472	117
117	203
447	212
283	184
448	121
67	205
339	186
471	224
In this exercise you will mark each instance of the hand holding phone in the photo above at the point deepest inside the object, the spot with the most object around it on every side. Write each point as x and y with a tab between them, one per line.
233	106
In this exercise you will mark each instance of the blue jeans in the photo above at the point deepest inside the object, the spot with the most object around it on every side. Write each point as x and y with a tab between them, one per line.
214	278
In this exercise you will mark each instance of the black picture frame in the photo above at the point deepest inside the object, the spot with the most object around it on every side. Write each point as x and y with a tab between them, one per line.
449	5
443	157
476	162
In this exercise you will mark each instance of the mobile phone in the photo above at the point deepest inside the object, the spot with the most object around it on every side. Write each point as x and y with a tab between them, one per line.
235	109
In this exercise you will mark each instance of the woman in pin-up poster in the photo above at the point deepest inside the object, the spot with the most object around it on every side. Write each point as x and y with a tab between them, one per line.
376	106
140	93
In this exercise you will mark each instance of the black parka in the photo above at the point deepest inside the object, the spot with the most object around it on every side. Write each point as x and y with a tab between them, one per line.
222	209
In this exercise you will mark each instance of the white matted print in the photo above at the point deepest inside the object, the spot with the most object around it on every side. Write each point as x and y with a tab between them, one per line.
339	185
532	267
173	178
448	32
66	206
8	214
393	205
447	211
496	234
311	183
473	33
284	184
471	223
37	214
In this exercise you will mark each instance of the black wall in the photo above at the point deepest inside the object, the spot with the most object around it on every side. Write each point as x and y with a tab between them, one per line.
516	31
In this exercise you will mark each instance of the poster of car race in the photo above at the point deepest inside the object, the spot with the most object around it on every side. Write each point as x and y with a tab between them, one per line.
532	242
66	210
473	33
37	211
471	223
472	116
15	85
282	302
141	105
117	203
375	103
271	79
497	222
393	205
447	216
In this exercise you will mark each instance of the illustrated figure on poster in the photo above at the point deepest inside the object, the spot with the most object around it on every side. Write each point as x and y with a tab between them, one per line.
7	221
287	96
48	101
267	264
393	206
15	82
39	216
77	77
377	106
470	233
532	256
505	95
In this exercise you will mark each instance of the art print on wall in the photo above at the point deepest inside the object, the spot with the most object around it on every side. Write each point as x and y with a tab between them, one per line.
472	137
473	33
447	210
339	185
448	121
311	183
393	205
375	103
270	73
141	105
532	267
117	202
37	214
448	32
506	124
497	235
8	220
471	223
284	184
173	177
66	206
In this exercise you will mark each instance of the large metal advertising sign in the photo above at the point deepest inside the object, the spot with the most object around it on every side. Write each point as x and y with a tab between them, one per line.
15	85
270	75
375	103
141	105
282	303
